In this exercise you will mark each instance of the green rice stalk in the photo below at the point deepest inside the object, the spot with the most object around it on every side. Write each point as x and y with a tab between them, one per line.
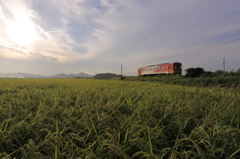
150	143
235	153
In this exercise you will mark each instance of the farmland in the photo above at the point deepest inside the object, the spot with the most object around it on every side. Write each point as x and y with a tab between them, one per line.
71	118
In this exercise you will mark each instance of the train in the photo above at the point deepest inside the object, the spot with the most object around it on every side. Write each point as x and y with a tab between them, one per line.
161	69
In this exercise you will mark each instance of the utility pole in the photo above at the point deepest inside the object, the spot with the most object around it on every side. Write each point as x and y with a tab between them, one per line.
224	64
121	71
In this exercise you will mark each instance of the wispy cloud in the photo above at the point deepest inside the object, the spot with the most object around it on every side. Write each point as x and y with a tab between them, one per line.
99	34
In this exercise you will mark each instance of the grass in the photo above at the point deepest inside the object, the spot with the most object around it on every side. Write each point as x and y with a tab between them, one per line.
71	118
222	81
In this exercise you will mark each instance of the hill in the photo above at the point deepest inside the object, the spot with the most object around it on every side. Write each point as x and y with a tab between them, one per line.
30	75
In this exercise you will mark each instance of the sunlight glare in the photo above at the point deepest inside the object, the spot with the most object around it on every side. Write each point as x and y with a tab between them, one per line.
21	31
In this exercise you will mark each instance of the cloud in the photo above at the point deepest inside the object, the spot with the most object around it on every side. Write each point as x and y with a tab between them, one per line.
171	27
103	33
55	40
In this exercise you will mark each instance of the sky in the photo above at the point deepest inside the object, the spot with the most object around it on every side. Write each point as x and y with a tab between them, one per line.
96	36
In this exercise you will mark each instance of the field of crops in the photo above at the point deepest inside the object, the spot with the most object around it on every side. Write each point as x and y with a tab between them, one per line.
222	81
71	118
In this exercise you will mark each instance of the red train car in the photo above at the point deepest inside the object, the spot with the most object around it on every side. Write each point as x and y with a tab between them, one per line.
160	69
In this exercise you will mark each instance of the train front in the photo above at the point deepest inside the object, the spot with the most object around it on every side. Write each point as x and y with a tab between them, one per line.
177	68
140	71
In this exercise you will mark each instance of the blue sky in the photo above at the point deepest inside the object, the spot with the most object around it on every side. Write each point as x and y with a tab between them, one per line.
96	36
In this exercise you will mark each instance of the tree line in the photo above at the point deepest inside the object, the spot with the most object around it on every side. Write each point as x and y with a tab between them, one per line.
200	72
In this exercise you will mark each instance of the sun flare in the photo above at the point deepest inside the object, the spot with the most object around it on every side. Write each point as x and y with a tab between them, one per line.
21	31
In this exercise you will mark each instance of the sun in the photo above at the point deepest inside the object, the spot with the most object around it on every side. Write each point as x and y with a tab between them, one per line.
21	31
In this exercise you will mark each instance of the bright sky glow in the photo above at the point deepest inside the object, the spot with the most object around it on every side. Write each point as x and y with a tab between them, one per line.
21	31
72	36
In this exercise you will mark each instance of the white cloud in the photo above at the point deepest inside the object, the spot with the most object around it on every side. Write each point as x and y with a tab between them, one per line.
109	32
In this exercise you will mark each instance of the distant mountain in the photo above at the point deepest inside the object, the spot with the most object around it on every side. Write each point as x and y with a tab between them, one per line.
71	75
30	75
20	75
62	75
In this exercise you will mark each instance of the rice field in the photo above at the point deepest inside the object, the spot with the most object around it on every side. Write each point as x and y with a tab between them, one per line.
95	119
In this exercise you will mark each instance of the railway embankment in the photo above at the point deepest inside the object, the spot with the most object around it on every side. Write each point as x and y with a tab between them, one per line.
218	81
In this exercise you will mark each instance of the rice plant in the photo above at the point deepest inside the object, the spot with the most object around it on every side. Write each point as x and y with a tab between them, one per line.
72	118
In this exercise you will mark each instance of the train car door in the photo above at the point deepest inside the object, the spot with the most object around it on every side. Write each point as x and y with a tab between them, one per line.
169	69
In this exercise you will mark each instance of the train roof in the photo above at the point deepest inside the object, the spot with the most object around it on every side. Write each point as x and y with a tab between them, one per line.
161	64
